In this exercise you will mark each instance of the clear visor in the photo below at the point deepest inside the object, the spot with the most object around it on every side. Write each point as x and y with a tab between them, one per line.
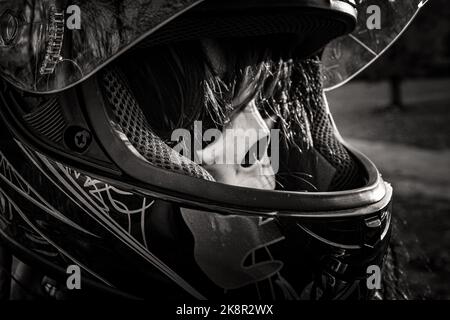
380	24
46	46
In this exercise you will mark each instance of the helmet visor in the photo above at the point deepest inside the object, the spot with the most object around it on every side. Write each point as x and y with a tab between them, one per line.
46	47
380	24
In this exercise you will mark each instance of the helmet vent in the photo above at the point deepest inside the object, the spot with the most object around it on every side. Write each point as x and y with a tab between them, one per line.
48	121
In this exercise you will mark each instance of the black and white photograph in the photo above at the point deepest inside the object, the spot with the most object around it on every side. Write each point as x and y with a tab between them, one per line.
224	156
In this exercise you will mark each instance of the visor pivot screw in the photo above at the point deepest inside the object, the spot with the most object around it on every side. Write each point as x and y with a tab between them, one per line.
77	139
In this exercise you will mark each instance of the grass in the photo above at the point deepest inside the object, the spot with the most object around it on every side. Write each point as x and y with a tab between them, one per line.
423	229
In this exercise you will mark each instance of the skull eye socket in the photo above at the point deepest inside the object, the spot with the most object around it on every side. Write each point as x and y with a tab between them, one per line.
9	26
256	153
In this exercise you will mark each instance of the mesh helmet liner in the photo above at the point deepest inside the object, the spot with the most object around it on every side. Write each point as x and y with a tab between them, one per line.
133	124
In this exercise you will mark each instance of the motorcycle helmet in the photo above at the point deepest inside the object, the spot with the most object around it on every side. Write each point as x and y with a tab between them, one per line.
185	148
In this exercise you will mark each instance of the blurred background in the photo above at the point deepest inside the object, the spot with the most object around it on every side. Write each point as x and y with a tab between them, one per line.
398	113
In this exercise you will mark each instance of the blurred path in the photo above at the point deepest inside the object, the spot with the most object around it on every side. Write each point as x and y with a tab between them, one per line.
412	170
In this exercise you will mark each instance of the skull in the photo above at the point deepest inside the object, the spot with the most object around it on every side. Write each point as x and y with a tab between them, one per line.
240	155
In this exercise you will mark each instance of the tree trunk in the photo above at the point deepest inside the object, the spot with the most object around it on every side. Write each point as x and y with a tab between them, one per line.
396	93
